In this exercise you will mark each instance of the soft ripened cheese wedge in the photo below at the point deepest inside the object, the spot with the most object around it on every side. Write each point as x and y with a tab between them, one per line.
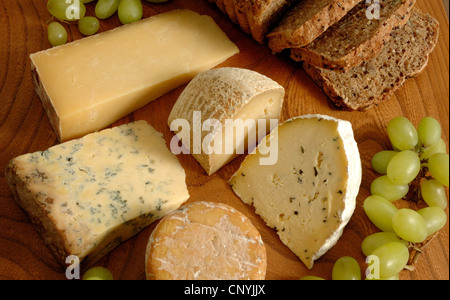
235	100
309	195
205	241
92	82
88	195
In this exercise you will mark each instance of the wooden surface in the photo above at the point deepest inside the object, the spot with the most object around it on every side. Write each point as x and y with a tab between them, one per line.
24	128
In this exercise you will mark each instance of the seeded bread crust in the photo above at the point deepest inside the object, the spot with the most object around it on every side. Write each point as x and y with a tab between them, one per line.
241	12
355	38
230	10
374	81
220	5
262	15
306	21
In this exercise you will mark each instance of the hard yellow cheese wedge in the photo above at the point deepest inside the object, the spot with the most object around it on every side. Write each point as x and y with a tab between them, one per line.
90	83
310	193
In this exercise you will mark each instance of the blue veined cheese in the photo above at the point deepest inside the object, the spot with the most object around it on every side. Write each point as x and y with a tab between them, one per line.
309	194
86	196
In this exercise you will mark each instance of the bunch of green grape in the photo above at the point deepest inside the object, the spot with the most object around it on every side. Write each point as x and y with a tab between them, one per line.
97	273
419	156
345	268
75	10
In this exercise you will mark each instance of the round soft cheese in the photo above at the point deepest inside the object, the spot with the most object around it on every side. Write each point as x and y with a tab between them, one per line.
205	241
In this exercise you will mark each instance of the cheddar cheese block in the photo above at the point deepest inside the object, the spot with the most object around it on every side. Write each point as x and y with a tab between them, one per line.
309	195
92	82
219	112
205	241
86	196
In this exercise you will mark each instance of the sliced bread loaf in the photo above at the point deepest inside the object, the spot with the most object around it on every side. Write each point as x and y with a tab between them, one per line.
241	12
263	14
220	4
355	38
230	10
306	21
405	55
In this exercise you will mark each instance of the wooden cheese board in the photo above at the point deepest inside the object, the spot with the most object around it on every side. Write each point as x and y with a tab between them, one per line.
24	128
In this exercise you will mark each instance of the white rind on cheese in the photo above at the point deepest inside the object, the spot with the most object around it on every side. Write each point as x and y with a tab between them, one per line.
205	241
226	94
309	195
90	83
88	195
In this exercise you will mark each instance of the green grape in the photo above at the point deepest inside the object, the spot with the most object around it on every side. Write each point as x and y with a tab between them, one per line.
381	160
380	212
74	10
392	257
395	277
429	131
311	278
346	268
439	147
57	34
433	193
403	167
402	133
435	218
88	25
409	225
106	8
383	187
438	167
97	273
130	11
378	239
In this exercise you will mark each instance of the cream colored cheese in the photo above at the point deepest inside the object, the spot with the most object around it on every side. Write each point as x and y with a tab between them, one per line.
309	195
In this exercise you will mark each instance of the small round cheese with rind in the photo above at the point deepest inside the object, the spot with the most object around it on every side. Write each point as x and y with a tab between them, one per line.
205	241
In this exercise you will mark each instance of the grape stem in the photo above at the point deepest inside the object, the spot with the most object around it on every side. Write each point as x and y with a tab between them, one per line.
416	249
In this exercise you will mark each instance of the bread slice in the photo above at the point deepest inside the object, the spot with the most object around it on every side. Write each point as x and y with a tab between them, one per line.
231	11
355	38
241	12
306	21
374	81
220	4
263	14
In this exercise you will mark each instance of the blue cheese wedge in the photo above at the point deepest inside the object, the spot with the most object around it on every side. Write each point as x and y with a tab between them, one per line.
309	194
88	195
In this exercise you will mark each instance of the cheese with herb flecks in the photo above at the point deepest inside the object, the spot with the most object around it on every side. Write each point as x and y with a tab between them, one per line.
309	194
88	195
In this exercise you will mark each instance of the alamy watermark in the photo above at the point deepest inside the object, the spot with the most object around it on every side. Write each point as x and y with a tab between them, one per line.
73	10
373	269
373	10
73	270
229	137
